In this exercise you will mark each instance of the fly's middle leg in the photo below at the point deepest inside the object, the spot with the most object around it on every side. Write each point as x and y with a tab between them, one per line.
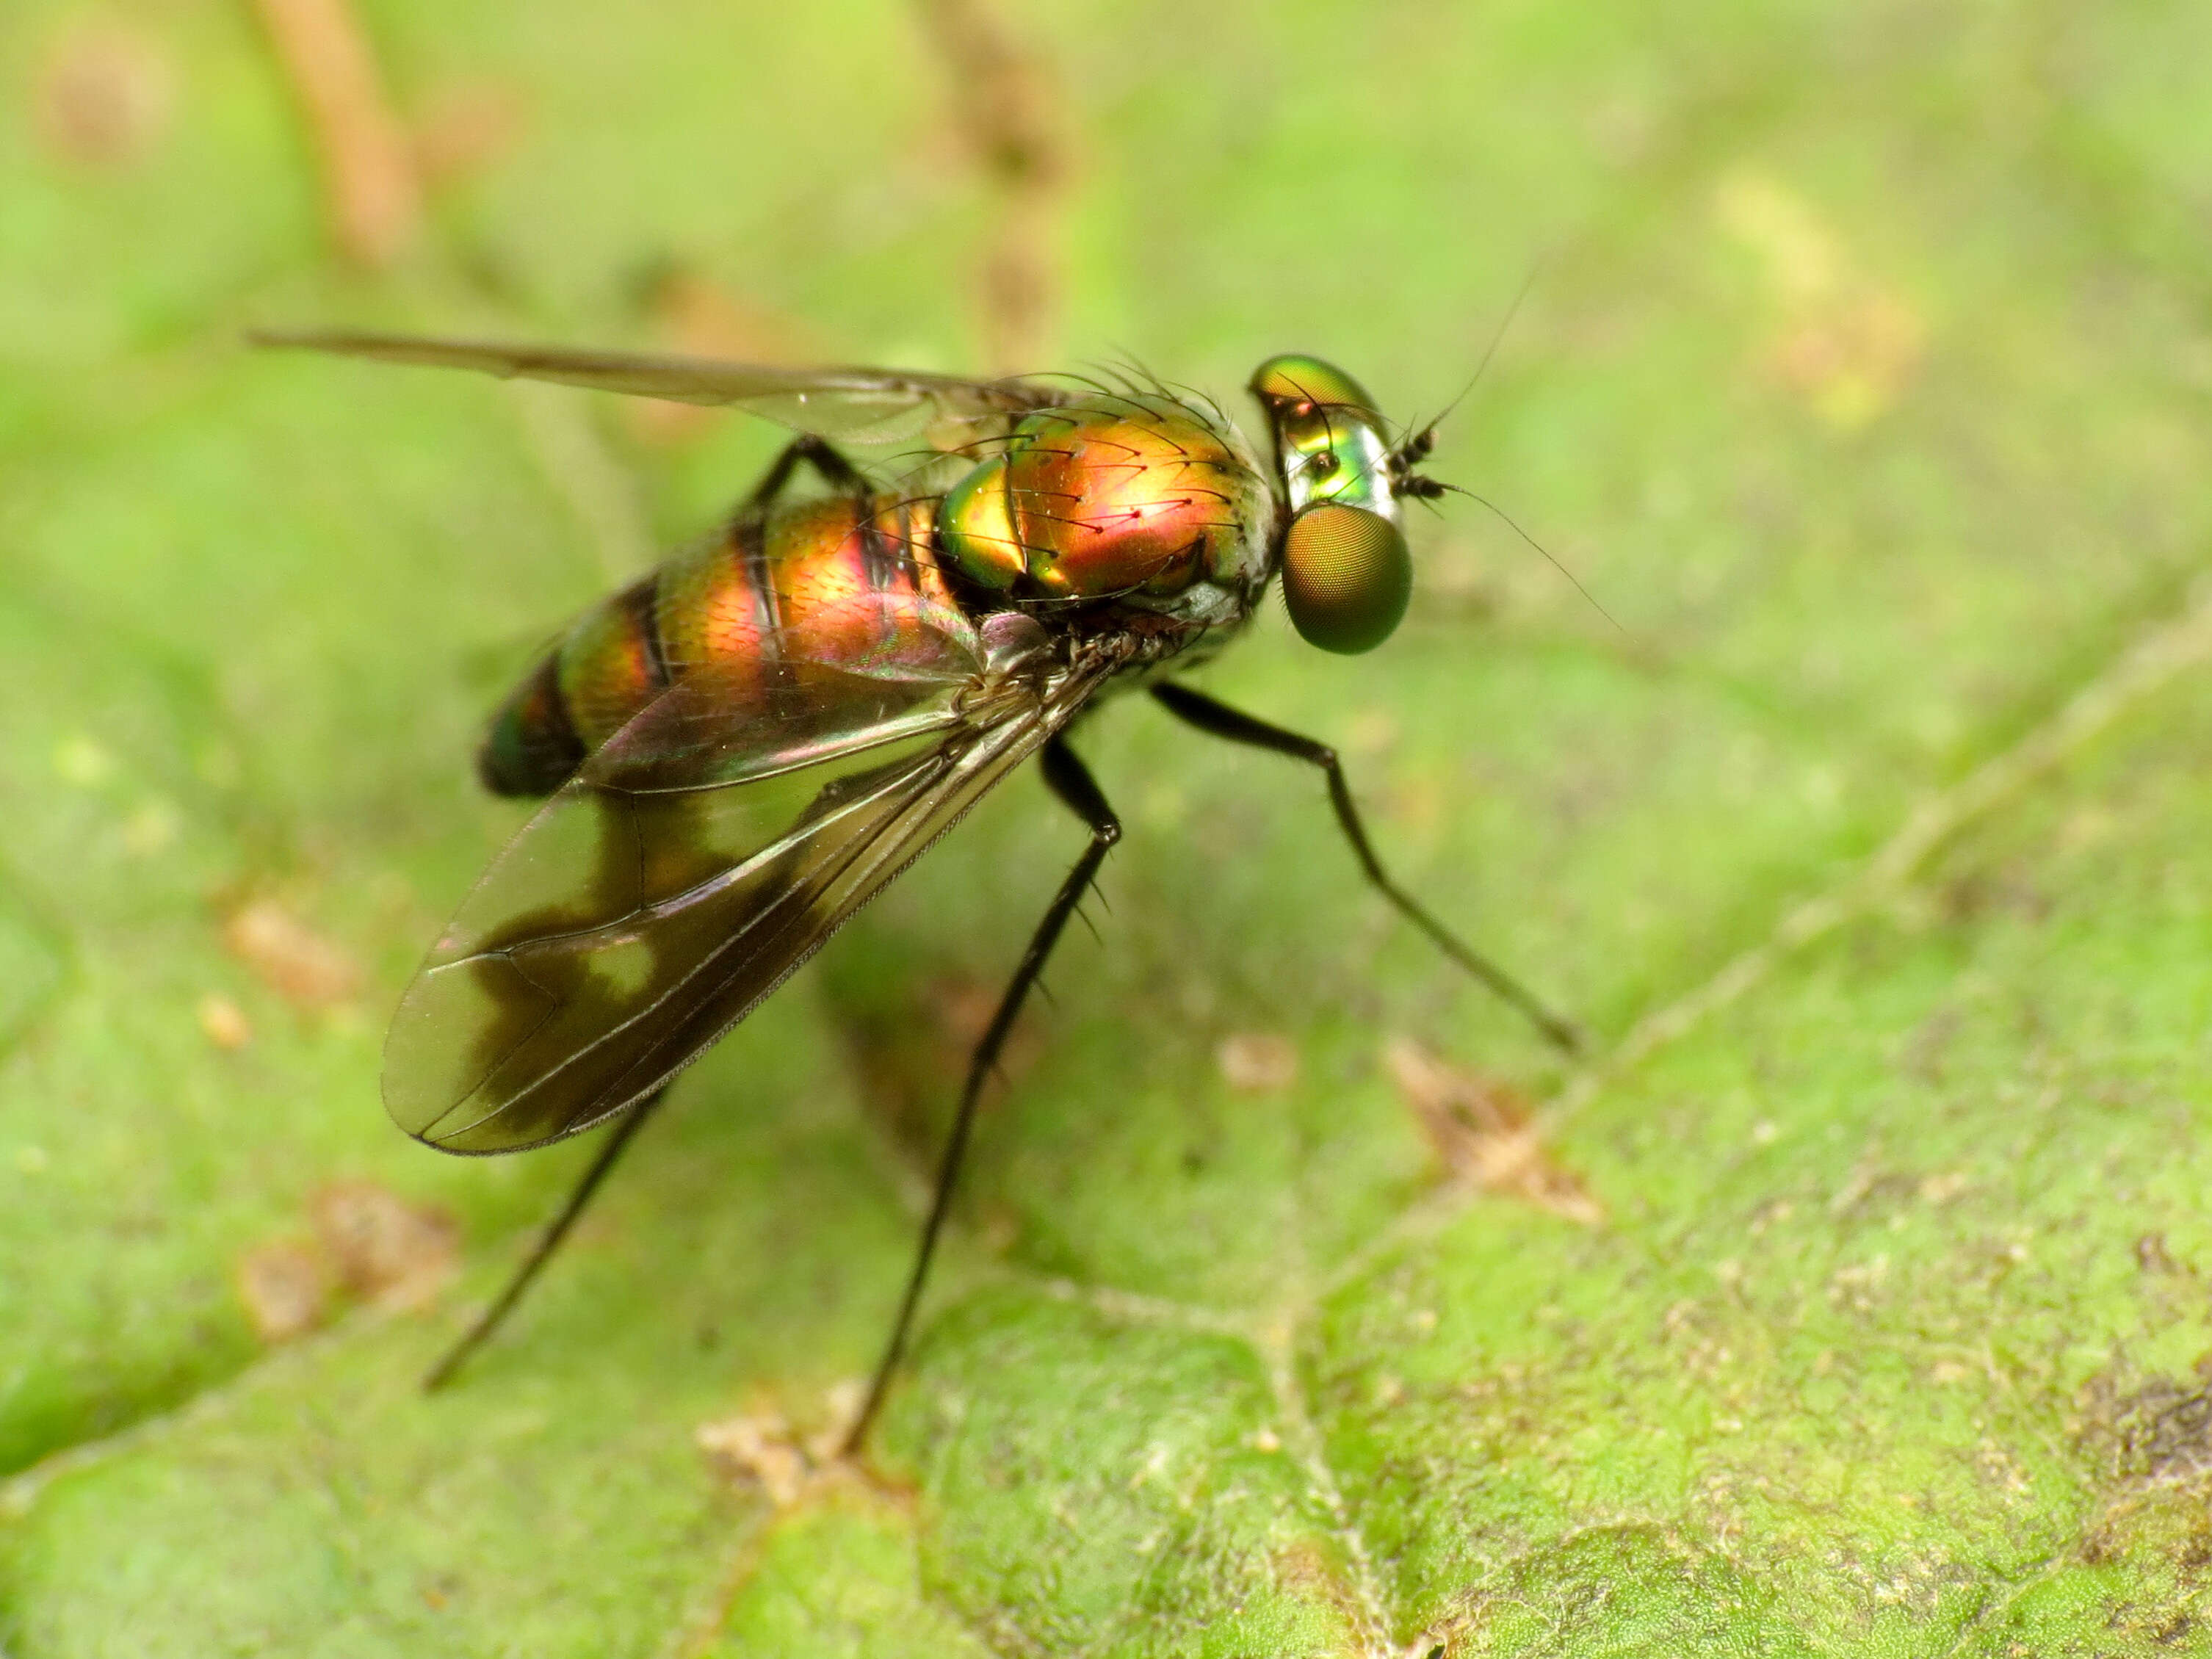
1219	720
1070	780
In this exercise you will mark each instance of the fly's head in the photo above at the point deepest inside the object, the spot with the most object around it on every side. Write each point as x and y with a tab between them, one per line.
1347	573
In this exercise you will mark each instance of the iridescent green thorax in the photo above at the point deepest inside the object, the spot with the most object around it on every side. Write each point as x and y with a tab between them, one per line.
1347	575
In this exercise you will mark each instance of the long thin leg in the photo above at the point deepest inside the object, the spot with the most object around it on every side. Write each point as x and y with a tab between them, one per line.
836	471
1220	720
443	1372
1072	781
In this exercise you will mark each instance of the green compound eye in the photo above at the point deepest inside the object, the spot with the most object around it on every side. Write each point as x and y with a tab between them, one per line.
1348	575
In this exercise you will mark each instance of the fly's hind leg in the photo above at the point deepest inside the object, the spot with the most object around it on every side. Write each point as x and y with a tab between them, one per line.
549	1241
825	458
1220	720
1072	781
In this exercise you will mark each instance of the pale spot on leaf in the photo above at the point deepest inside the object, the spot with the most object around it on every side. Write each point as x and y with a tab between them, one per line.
762	1447
83	762
1942	1188
223	1022
1845	344
106	99
758	1449
396	1253
289	957
1258	1062
1372	731
285	1287
152	829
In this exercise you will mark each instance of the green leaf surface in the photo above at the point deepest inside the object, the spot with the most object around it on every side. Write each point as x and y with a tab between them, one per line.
1863	380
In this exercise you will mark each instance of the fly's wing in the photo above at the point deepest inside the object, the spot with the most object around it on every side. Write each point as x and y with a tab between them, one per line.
854	405
685	871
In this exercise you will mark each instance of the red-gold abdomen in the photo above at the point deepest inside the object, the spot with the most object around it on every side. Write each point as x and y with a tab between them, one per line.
832	580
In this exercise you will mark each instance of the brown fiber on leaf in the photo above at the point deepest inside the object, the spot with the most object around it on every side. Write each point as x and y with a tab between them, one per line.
1003	104
289	956
370	192
393	1253
1482	1131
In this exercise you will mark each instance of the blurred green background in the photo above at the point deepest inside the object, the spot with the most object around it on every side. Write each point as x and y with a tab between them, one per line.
1854	1301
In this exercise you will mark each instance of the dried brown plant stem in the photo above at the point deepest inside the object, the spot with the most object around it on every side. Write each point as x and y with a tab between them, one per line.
370	190
1002	104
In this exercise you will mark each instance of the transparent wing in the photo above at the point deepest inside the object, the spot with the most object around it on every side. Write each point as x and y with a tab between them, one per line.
855	405
680	878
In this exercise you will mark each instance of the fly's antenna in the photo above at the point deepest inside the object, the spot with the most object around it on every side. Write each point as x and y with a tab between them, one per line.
1411	453
1415	449
1428	487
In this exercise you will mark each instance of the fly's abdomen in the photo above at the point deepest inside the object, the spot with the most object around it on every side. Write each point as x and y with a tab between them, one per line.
857	583
532	746
835	581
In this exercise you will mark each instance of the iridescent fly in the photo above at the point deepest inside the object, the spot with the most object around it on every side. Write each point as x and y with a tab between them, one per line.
744	747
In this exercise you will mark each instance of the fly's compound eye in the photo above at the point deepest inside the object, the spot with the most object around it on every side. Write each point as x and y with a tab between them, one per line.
1348	575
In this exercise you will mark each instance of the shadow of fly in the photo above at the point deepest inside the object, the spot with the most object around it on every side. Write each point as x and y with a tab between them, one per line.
741	749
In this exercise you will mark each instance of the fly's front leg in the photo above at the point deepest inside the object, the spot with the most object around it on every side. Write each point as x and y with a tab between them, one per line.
835	471
1072	781
1220	720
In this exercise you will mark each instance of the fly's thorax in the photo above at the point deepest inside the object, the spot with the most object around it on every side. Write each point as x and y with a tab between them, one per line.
1140	499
